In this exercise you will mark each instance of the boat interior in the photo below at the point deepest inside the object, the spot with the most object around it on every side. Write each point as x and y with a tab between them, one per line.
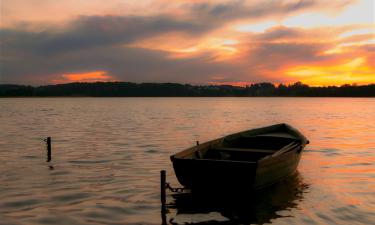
247	148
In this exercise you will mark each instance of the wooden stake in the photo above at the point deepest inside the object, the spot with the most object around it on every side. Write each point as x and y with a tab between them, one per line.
162	187
49	154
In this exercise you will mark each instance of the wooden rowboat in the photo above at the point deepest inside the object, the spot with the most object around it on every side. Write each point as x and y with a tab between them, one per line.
244	161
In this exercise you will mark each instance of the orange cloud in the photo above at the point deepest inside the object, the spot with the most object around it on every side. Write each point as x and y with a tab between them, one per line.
85	77
178	45
236	83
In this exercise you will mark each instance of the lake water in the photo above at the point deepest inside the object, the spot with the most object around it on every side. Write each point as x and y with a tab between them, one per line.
107	154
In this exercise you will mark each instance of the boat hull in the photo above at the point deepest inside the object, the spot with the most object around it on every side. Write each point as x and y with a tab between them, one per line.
273	170
236	174
211	175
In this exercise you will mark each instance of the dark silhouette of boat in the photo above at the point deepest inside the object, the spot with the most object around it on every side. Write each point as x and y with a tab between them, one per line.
241	162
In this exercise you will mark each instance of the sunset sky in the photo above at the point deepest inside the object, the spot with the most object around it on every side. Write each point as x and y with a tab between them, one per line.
317	42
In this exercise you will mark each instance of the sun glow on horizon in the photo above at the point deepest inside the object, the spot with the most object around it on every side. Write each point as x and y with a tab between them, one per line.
94	76
358	70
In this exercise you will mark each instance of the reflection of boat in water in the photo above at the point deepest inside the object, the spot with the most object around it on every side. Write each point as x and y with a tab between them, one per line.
259	208
248	160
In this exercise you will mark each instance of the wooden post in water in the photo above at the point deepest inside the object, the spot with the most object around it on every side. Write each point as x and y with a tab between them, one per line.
49	157
162	187
163	215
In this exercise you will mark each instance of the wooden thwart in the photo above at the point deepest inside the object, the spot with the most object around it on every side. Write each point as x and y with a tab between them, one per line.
224	149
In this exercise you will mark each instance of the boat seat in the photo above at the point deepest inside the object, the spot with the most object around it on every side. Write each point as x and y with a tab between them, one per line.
286	148
226	149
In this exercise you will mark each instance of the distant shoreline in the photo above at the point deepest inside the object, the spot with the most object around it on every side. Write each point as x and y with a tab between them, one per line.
31	97
126	89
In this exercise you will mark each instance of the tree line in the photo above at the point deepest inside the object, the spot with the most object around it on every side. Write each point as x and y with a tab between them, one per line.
127	89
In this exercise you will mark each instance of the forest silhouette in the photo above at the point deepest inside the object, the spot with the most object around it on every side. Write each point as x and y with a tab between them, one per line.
127	89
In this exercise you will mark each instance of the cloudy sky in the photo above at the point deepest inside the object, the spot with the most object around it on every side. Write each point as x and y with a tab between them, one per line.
236	42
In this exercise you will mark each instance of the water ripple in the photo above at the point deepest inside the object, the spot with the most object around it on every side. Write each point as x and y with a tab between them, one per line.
107	154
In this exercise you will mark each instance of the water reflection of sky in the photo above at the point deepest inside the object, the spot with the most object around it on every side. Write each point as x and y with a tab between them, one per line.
108	152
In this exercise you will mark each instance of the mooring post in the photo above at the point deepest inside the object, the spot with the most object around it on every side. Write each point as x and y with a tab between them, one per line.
49	157
162	187
163	215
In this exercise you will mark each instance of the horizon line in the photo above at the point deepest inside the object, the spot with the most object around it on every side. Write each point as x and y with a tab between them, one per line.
192	84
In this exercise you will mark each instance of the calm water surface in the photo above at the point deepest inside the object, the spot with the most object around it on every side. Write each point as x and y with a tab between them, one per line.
107	154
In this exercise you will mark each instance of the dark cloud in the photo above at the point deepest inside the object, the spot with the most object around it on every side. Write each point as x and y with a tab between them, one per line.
279	33
92	43
241	9
97	31
144	65
94	31
123	63
272	56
